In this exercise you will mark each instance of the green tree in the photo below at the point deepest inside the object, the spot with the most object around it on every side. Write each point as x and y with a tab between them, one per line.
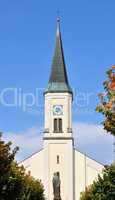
103	188
107	102
15	184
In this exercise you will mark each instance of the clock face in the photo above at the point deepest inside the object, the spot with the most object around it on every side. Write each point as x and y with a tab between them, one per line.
57	110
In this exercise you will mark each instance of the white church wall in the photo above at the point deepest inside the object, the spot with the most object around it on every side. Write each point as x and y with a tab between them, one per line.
79	174
93	169
43	164
86	171
35	165
63	148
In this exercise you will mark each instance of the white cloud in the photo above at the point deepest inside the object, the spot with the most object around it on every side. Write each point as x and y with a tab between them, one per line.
89	138
93	140
29	141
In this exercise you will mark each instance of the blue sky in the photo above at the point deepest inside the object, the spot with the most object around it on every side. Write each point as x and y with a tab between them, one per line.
27	40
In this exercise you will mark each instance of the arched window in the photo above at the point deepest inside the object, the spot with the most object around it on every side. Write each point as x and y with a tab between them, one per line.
57	125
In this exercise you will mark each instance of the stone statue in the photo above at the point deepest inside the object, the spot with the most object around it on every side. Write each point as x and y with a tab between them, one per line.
56	186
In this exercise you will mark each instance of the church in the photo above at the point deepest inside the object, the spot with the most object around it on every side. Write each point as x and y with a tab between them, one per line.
64	171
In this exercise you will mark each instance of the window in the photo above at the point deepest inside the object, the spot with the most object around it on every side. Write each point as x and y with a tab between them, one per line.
57	159
58	125
55	125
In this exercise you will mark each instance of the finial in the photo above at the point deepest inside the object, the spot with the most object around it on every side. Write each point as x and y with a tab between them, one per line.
58	23
58	15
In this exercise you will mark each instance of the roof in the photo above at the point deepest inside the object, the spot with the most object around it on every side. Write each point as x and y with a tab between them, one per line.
88	156
74	149
58	81
30	156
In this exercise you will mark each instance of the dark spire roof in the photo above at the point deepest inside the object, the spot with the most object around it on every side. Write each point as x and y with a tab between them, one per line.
58	81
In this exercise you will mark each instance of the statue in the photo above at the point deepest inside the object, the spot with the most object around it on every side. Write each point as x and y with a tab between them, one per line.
56	186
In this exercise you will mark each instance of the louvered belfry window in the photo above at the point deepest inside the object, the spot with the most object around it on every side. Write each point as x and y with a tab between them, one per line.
57	125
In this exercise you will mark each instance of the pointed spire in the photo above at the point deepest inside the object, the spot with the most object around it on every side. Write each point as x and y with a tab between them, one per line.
58	81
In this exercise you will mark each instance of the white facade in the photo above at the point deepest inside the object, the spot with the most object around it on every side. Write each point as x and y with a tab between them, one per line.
85	170
76	170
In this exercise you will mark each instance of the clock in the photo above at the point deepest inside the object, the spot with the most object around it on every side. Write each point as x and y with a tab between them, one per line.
57	110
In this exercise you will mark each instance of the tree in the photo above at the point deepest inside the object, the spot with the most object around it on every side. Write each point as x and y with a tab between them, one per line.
15	184
103	188
107	102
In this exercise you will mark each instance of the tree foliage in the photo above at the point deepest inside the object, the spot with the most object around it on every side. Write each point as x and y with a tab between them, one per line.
15	184
103	188
107	102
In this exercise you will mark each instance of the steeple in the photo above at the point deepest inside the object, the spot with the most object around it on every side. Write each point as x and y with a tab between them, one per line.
58	81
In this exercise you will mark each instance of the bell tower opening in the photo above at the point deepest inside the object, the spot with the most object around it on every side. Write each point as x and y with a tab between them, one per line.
57	125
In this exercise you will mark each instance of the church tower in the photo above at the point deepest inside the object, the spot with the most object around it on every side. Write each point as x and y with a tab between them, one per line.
58	138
